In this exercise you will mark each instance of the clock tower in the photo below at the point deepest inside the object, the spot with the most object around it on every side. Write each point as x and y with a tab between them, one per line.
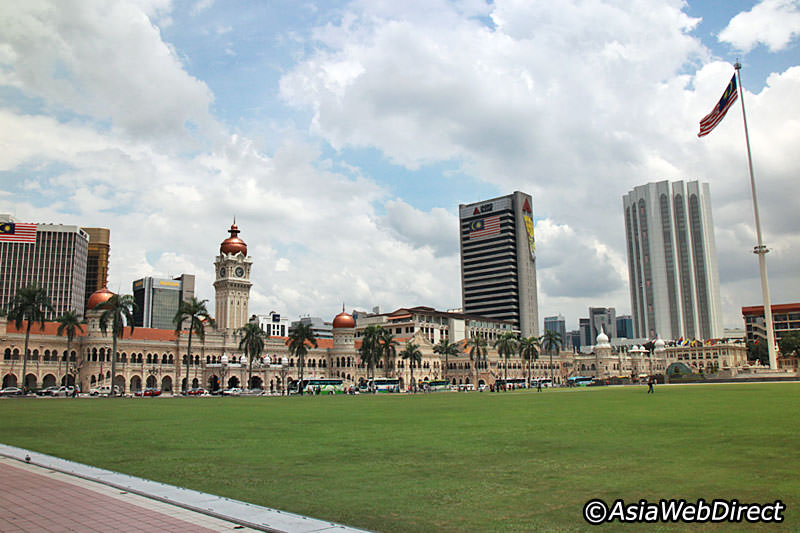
232	282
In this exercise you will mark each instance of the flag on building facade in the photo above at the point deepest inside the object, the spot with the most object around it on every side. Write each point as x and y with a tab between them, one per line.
484	227
17	232
710	121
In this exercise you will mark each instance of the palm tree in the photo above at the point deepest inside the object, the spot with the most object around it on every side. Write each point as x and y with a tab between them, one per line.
300	337
529	349
252	342
446	348
30	304
119	311
478	348
388	347
69	323
551	342
505	346
412	353
195	312
371	348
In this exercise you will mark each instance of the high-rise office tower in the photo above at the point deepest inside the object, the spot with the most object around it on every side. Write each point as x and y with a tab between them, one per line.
97	260
603	319
157	300
52	256
557	324
625	327
672	261
498	261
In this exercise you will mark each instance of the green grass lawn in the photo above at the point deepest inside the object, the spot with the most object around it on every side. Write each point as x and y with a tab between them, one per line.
447	461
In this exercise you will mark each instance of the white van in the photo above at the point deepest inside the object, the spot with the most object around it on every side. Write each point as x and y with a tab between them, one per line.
105	390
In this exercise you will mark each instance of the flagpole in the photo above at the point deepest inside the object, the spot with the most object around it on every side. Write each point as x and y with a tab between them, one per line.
760	250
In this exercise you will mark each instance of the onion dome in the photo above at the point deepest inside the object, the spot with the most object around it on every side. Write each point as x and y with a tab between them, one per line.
660	344
602	338
224	359
233	244
343	320
98	297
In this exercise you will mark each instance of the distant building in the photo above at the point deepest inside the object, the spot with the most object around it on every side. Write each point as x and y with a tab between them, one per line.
435	325
625	327
97	260
273	324
52	256
157	300
557	324
672	261
585	327
498	261
320	328
603	319
785	319
573	340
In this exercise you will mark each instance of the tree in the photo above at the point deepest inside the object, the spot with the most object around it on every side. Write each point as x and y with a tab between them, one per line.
790	344
551	342
195	312
30	304
758	351
505	346
69	323
300	338
446	348
529	350
370	348
252	342
388	347
478	348
413	355
118	310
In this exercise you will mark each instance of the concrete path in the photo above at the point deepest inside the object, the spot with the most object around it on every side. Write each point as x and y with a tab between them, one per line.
45	493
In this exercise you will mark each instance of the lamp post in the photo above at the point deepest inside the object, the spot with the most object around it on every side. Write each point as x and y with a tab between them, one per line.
223	363
242	368
152	372
284	368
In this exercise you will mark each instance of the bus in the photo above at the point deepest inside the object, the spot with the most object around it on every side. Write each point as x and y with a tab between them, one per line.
510	383
580	381
546	382
326	386
437	385
385	385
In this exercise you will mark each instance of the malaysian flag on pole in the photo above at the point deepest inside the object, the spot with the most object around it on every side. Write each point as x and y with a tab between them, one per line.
484	227
710	121
17	232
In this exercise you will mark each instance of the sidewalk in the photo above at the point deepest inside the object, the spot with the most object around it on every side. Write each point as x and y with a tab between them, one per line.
51	494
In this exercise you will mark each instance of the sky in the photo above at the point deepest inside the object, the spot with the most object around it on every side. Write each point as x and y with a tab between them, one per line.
343	135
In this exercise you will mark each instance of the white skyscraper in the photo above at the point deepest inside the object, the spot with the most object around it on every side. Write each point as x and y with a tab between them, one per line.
672	261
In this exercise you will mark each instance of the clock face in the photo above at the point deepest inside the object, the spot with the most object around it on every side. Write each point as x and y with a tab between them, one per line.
222	272
239	272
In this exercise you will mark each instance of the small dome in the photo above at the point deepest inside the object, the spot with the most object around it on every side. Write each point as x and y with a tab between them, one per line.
660	344
343	320
243	360
224	359
602	338
98	297
233	244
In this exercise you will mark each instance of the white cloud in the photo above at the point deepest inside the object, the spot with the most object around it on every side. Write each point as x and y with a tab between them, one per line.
105	60
773	23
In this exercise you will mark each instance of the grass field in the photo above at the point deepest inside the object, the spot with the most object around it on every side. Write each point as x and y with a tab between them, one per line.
447	461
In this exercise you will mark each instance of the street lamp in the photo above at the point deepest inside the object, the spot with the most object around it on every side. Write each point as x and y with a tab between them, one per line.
223	362
284	368
242	368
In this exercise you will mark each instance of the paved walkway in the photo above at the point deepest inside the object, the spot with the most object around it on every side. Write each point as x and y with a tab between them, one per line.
50	494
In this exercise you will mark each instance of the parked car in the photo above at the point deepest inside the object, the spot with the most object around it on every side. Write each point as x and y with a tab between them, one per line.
234	391
47	391
149	391
63	391
197	392
11	391
105	390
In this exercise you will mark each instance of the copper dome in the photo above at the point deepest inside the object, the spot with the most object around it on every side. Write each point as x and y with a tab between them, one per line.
99	297
343	320
233	244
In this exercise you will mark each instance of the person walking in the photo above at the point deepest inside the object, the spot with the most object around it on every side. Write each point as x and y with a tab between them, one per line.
650	383
538	385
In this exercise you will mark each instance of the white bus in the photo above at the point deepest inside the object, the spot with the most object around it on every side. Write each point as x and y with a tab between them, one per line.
325	386
385	385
